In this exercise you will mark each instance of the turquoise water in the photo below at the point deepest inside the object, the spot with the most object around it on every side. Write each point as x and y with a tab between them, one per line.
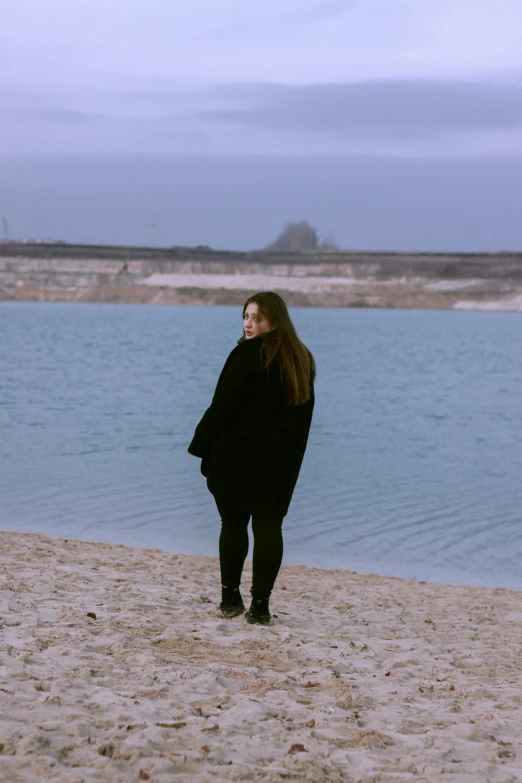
414	463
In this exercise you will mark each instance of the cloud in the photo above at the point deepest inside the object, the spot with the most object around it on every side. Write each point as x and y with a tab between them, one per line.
124	43
54	117
26	109
331	8
414	118
421	118
376	110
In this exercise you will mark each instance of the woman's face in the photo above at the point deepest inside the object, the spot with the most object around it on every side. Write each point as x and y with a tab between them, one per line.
254	322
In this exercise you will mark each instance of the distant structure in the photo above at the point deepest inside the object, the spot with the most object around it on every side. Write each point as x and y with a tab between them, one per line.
295	237
301	236
6	227
329	243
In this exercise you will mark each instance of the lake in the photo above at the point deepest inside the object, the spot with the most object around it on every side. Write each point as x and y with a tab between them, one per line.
414	462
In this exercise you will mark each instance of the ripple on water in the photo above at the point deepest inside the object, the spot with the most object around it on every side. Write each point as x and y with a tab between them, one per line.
414	459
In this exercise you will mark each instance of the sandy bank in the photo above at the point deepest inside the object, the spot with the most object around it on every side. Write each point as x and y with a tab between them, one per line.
116	666
318	279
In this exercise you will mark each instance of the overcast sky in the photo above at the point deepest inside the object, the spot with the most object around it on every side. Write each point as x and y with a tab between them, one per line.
407	79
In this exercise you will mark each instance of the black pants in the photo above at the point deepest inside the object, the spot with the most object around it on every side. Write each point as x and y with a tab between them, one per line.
233	549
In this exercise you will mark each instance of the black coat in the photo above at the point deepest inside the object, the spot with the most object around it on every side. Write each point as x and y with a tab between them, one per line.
251	442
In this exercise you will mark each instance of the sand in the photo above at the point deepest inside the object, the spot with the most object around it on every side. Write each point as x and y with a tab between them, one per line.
115	665
323	290
254	282
306	283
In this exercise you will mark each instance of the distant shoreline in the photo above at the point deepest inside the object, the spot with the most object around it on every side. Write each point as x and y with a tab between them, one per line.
441	281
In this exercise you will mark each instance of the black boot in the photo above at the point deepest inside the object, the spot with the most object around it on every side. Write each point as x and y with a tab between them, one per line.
259	612
231	602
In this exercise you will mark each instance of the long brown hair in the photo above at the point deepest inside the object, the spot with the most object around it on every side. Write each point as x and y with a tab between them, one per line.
296	362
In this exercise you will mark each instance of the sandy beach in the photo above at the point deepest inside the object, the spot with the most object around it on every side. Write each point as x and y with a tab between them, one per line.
115	665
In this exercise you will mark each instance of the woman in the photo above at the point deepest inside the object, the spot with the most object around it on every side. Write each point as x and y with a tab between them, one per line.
252	440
